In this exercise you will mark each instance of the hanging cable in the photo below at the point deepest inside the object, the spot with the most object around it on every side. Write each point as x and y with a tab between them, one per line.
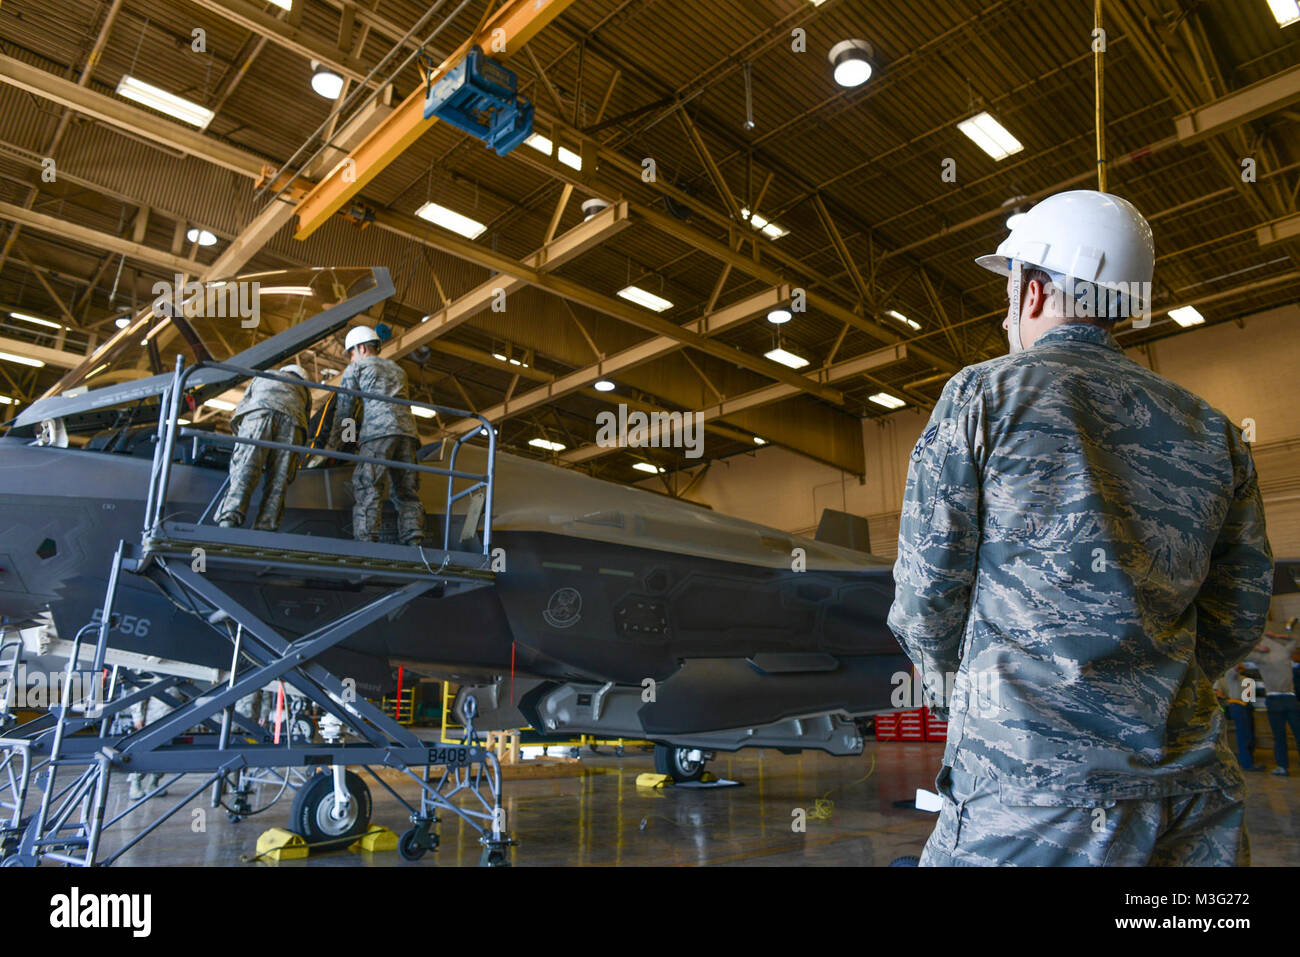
1098	51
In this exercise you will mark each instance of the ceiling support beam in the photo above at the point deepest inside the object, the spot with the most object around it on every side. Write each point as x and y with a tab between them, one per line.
1241	106
100	240
1279	230
60	358
257	21
572	244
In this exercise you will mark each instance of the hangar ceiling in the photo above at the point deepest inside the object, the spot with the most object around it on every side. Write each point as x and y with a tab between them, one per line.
872	229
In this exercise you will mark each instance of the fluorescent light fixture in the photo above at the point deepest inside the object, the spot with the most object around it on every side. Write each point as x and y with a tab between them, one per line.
325	81
201	236
642	298
778	316
95	371
540	143
423	412
22	360
40	322
1285	12
221	405
286	291
759	441
786	358
1186	316
146	94
282	4
887	400
497	355
546	444
849	62
569	158
604	385
182	421
768	228
647	467
895	314
5	400
450	219
990	135
122	321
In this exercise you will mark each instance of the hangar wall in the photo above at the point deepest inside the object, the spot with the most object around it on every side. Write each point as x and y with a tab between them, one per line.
1250	371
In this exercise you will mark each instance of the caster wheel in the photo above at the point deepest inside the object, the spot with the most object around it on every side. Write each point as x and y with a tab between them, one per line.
320	823
680	764
409	846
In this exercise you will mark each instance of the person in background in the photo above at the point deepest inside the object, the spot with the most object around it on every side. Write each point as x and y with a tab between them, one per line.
1274	659
1236	691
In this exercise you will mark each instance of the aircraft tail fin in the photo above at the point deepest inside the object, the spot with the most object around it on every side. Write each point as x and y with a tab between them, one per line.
841	528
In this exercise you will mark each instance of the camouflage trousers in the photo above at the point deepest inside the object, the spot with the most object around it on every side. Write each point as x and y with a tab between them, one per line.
371	484
975	829
250	464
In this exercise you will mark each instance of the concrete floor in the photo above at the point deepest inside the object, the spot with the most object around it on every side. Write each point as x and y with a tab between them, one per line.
604	819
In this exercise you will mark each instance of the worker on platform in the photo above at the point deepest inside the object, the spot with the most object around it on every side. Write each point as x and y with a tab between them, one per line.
270	411
386	431
1082	549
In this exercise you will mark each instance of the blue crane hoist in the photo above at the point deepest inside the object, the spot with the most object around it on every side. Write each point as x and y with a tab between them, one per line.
481	97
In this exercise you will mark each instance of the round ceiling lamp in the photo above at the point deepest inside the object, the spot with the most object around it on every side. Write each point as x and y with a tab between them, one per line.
850	62
325	81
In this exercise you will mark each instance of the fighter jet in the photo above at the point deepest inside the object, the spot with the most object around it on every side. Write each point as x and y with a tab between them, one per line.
615	612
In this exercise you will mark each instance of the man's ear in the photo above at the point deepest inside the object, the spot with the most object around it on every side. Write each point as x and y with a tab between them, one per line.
1035	299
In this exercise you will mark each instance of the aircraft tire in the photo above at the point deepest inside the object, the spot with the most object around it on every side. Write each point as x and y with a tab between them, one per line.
672	761
311	816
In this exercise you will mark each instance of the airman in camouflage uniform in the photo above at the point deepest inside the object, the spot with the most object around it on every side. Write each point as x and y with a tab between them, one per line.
387	431
1082	544
270	411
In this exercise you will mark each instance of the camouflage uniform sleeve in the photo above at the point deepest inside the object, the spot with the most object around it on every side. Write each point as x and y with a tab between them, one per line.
1232	605
344	405
939	534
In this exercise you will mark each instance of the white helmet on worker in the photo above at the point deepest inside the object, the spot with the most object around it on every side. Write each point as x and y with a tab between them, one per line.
1092	238
359	335
295	369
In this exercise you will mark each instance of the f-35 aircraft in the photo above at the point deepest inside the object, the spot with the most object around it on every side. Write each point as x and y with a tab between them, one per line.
616	612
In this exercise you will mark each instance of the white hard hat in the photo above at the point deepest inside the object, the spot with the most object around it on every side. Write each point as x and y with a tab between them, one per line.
1083	234
295	369
358	335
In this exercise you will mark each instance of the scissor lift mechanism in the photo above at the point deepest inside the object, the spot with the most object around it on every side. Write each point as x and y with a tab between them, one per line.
55	771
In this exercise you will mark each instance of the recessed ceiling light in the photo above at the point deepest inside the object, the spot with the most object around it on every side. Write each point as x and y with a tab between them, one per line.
325	81
146	94
849	59
990	135
201	236
887	400
895	314
778	316
450	219
22	360
642	298
34	319
647	467
786	358
1186	316
546	444
604	385
1285	12
768	228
